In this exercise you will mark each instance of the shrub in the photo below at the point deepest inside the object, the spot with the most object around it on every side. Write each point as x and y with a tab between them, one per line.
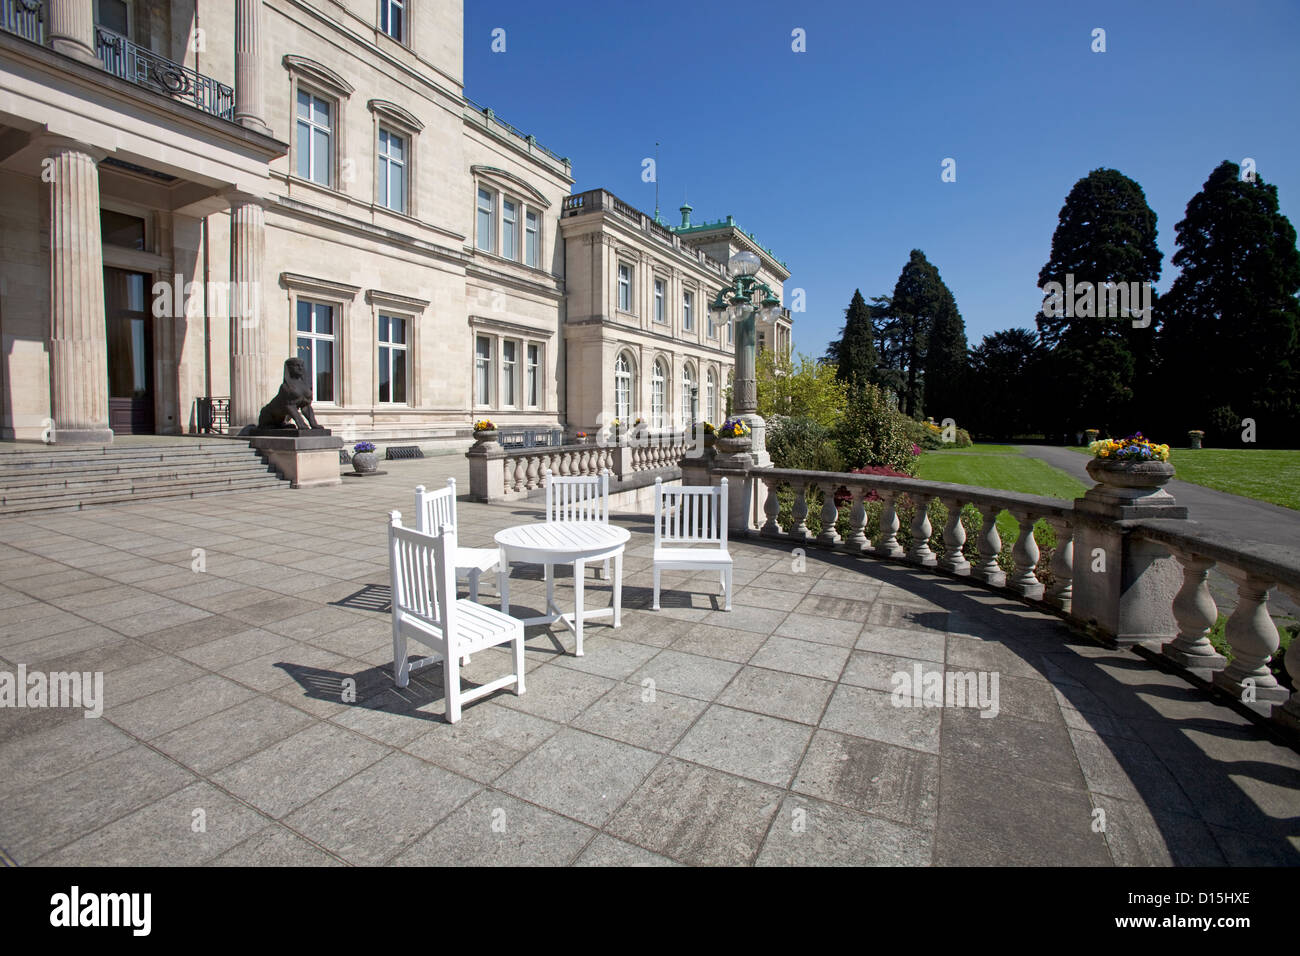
873	432
802	443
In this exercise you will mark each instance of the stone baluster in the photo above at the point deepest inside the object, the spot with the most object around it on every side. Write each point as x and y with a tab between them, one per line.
771	508
1288	713
530	474
857	542
828	537
954	539
1253	637
887	546
521	473
507	475
1024	554
799	526
1061	594
987	568
920	550
1195	612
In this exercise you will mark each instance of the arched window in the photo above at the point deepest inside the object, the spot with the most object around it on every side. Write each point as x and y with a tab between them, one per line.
711	398
690	395
658	389
623	389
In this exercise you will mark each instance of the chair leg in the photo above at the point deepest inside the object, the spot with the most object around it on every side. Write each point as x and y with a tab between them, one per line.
451	686
401	666
519	661
656	603
473	584
726	586
579	572
604	575
618	589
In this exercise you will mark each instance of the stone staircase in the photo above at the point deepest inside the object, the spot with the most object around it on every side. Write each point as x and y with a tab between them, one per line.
34	478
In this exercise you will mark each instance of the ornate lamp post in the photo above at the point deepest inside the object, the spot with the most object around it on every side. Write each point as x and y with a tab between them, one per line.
745	302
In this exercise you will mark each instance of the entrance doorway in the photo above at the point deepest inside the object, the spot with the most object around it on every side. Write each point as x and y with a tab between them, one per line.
130	352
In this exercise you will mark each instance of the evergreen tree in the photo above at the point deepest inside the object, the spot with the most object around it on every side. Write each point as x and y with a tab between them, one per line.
854	352
1231	321
947	363
1006	384
921	303
1106	233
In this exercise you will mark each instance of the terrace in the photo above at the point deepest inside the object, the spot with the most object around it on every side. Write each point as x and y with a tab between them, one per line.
251	680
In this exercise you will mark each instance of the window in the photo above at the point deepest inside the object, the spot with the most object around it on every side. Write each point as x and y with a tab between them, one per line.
314	137
120	229
485	211
530	239
392	18
510	372
316	346
710	326
623	389
392	170
532	385
482	370
690	394
658	381
711	397
688	312
392	359
659	301
624	288
113	15
509	229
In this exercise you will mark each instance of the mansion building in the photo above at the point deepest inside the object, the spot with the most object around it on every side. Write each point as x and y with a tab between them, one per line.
196	191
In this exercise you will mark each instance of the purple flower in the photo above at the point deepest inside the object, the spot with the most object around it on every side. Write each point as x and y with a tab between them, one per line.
916	449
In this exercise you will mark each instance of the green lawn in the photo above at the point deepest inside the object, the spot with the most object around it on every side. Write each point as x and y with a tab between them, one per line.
998	466
1264	474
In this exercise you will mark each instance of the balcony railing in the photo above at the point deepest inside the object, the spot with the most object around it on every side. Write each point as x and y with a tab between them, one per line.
23	18
142	67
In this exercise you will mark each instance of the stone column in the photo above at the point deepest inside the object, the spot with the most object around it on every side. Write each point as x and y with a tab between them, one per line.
78	334
249	107
744	396
249	386
72	29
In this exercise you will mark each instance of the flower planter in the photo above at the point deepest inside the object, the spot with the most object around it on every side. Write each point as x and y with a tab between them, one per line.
1090	435
734	446
1133	487
487	435
1194	439
365	462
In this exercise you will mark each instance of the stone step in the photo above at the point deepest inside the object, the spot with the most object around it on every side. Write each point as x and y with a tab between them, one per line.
66	478
76	502
13	462
142	482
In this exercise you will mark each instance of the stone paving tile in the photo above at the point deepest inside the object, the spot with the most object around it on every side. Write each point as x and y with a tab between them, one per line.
40	652
922	645
778	694
228	651
724	643
495	829
607	657
635	715
1142	836
217	741
820	630
873	714
158	619
35	759
1031	748
607	851
485	748
176	706
824	661
697	816
689	675
871	777
807	832
757	746
374	815
579	775
557	693
879	671
276	846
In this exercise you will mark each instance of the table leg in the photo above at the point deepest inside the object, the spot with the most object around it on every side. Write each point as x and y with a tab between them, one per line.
579	572
618	589
550	587
503	580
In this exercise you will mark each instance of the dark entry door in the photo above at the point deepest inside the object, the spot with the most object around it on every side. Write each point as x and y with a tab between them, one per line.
130	352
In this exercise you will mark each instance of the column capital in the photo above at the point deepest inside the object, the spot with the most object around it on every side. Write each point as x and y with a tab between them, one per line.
54	144
241	197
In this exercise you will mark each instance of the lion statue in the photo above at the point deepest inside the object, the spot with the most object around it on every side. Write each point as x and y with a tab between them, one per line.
292	402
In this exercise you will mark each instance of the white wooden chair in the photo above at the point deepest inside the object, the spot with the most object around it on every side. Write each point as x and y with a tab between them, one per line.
578	498
426	611
433	509
691	532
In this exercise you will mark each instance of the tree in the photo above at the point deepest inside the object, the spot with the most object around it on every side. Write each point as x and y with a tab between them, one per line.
1230	335
801	388
921	300
853	354
1004	384
873	432
947	362
1105	235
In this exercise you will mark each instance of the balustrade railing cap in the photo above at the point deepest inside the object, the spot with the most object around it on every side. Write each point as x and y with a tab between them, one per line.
1271	561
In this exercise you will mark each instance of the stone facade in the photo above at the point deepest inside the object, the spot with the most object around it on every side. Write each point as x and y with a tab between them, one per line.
319	187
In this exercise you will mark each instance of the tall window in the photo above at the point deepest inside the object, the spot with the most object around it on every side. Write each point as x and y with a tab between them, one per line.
392	359
392	18
315	132
530	238
114	15
688	312
510	373
710	326
659	301
509	229
532	385
483	370
392	170
690	395
658	381
625	287
485	200
711	397
623	389
316	347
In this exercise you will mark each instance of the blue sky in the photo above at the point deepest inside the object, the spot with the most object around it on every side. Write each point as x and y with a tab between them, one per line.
832	157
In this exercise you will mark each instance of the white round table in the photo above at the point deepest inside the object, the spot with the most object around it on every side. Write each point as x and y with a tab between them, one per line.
564	542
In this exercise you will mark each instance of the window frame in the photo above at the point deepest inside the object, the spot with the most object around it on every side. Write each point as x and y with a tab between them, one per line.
688	310
533	371
624	303
312	335
491	211
405	6
711	397
331	161
404	347
320	81
625	411
660	300
510	378
513	254
659	377
536	233
490	364
384	162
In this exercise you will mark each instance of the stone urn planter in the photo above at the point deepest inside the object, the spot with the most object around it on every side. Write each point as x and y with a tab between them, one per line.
1090	435
1194	438
733	446
1131	482
487	435
365	462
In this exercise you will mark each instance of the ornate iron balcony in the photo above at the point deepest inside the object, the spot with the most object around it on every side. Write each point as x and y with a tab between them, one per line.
23	18
144	68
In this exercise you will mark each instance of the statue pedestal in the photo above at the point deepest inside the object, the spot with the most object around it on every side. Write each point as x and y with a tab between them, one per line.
308	459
